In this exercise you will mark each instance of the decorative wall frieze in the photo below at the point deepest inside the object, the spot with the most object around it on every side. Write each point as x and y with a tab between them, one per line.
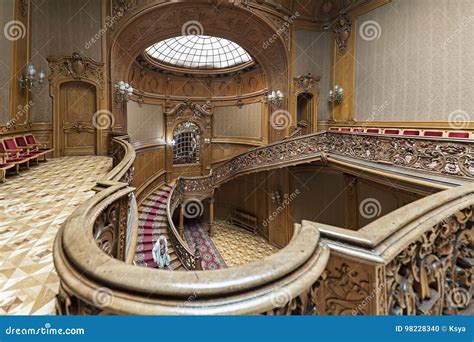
77	67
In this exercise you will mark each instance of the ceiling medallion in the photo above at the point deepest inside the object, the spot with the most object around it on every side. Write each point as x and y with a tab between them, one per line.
343	31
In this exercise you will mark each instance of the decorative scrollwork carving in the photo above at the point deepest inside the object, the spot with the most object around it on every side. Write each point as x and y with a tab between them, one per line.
106	229
440	156
434	275
77	67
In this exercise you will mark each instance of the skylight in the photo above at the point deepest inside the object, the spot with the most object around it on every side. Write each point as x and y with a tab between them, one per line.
199	52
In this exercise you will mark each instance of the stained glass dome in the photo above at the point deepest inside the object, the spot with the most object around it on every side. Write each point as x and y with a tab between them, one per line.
199	52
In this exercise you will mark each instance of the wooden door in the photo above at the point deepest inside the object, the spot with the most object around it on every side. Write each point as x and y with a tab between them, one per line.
77	134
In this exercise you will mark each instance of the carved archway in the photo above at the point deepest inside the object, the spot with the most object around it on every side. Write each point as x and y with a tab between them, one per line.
162	20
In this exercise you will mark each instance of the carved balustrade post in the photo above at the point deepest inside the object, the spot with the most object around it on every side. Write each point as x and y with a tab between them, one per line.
211	216
181	221
197	259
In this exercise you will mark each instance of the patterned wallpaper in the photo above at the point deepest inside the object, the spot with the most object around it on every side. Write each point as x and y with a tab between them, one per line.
238	122
145	123
414	61
313	54
6	15
60	27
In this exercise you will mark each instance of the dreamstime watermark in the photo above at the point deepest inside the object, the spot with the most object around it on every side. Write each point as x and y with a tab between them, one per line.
192	28
370	30
14	30
193	208
281	207
102	297
370	208
280	119
22	110
282	30
377	111
109	23
461	27
358	310
103	119
459	119
46	330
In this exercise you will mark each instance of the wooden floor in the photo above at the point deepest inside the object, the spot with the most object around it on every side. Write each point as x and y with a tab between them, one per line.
32	207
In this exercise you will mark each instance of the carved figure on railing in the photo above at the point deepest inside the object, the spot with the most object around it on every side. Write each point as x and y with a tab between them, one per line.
160	253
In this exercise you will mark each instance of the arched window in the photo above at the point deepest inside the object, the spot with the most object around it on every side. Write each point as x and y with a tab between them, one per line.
186	143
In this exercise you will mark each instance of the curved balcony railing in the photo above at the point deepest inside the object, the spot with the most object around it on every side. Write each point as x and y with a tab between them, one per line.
420	255
418	259
93	281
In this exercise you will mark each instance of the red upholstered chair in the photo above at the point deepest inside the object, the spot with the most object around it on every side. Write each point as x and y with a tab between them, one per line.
373	130
391	131
21	143
36	146
438	134
345	129
413	132
4	167
458	135
358	130
12	157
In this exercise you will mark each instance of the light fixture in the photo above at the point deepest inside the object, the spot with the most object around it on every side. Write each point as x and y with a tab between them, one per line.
336	95
123	92
275	98
276	197
30	79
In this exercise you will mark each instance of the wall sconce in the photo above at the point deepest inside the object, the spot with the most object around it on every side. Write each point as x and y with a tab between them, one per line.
336	95
275	98
123	92
30	80
276	197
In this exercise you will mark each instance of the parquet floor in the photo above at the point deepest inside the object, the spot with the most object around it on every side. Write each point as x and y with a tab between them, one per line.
32	208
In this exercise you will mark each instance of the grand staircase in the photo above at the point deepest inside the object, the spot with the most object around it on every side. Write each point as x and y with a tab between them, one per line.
152	224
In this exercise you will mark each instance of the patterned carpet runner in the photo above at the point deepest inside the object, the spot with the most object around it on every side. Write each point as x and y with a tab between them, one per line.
152	224
196	235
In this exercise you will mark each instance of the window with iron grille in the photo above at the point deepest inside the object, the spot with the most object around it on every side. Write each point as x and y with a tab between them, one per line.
186	143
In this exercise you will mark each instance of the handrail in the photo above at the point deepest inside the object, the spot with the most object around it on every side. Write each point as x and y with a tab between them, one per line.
184	253
88	274
432	155
88	249
123	156
419	257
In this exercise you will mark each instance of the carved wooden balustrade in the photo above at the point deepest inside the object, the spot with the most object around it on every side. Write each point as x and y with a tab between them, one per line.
93	281
184	253
418	259
441	156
